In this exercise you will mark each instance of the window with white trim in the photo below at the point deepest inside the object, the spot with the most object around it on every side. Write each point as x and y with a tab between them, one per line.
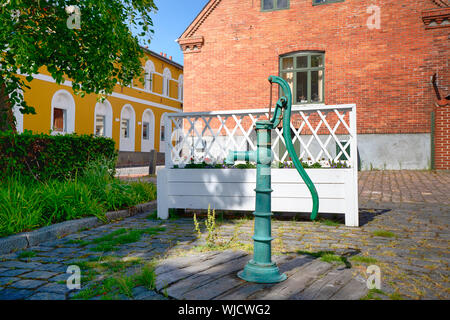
125	128
62	113
100	125
305	74
149	72
180	88
167	76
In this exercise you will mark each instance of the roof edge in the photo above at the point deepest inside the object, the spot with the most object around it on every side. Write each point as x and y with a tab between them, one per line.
201	17
157	55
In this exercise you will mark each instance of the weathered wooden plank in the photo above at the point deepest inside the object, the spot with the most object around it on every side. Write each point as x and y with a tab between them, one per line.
299	279
166	279
180	288
324	288
355	289
214	288
285	264
182	262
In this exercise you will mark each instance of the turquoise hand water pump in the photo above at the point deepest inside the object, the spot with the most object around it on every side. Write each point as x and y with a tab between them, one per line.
261	269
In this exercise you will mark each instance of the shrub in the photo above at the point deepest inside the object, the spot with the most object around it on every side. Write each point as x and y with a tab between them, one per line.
45	157
27	204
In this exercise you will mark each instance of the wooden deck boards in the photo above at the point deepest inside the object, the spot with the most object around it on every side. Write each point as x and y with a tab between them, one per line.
213	275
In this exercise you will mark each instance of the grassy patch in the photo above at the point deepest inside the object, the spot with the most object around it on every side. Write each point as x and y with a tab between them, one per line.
172	215
327	256
113	240
26	254
115	283
373	294
27	204
329	223
363	259
383	233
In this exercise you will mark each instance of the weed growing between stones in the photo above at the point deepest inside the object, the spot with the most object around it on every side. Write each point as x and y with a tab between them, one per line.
105	278
113	240
213	242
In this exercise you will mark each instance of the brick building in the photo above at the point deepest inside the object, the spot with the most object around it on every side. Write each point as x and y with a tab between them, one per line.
378	54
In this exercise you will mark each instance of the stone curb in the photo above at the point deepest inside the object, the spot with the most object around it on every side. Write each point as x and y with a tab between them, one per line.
53	232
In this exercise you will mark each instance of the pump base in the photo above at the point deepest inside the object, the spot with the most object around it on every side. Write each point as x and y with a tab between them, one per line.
261	273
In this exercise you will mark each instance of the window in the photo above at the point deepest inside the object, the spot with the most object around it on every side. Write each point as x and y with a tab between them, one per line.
149	71
145	131
305	73
59	120
125	128
180	88
103	118
149	81
167	87
167	75
62	118
100	124
316	2
269	5
163	135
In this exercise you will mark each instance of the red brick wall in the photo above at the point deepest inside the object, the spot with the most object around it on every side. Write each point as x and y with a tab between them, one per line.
442	138
385	72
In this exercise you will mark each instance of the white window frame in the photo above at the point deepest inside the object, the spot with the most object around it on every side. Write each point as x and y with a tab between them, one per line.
62	99
167	76
149	79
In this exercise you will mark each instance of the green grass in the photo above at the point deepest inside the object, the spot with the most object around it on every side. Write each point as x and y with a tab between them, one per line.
373	294
327	256
27	204
172	215
113	240
383	233
26	254
363	259
115	283
330	223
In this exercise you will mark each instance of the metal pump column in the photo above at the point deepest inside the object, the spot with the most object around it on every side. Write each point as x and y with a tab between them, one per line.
261	269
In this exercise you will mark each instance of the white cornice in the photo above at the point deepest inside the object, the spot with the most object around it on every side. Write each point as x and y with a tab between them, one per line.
67	83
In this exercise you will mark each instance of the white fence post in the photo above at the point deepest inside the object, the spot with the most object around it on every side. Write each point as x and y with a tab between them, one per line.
353	215
162	199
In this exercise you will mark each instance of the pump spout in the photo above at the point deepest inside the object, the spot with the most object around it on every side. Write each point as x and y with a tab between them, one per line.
240	156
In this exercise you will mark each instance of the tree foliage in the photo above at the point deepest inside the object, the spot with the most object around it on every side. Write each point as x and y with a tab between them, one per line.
95	57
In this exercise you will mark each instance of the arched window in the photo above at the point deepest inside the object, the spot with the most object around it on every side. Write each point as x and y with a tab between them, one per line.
305	73
149	71
163	133
127	128
180	88
148	131
103	117
167	76
63	112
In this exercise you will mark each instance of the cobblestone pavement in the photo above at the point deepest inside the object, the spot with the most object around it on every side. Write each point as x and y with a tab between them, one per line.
404	230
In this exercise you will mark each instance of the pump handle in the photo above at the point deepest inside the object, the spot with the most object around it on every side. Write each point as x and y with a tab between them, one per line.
284	105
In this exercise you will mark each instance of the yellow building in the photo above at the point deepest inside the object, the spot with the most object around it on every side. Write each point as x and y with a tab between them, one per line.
130	115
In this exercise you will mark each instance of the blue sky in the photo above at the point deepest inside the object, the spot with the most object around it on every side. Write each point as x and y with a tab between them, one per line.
172	18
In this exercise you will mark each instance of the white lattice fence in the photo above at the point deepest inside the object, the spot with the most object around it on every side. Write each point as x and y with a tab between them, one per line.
320	133
324	134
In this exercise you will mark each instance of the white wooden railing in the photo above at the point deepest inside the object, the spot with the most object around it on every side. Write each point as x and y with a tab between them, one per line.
322	134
